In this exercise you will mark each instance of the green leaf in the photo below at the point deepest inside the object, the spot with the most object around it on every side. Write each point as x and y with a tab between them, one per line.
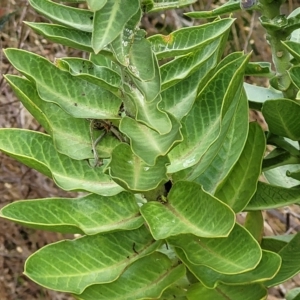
268	196
276	242
278	176
132	173
255	224
64	35
37	151
184	213
76	96
87	215
95	5
81	19
73	265
262	69
245	292
150	114
150	89
257	95
202	125
141	58
237	253
122	44
186	89
294	48
102	76
147	143
290	262
279	158
27	94
183	66
178	290
293	294
186	40
229	7
144	279
109	22
156	5
220	158
281	116
239	186
71	136
266	269
294	73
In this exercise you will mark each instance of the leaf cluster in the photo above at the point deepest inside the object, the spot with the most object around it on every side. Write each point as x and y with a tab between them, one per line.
155	131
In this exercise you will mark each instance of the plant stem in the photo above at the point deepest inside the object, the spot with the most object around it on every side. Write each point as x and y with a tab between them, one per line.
280	55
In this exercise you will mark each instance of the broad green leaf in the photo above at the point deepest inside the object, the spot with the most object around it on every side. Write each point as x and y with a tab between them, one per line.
229	7
293	294
149	113
81	19
257	95
121	46
156	5
279	158
105	59
70	136
64	35
147	143
188	209
37	151
134	52
278	176
290	262
237	189
266	269
293	47
237	253
186	89
178	289
226	292
73	265
150	89
255	224
95	5
183	66
144	279
281	116
283	144
186	40
103	76
262	69
76	96
202	125
220	158
109	22
27	94
141	58
269	196
132	173
87	215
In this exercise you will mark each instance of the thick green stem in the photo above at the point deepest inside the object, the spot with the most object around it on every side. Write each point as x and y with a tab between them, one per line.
281	60
280	55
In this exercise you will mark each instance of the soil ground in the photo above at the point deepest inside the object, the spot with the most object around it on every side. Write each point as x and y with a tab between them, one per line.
19	182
